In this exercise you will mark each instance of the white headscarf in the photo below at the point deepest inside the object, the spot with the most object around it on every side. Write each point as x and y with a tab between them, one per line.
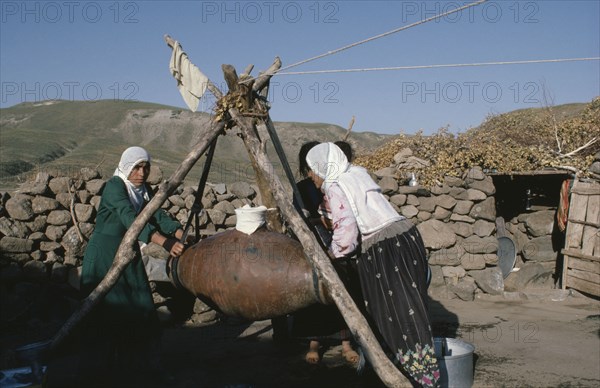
130	158
328	161
371	209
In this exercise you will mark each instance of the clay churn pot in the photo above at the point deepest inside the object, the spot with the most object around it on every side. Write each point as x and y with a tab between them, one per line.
249	272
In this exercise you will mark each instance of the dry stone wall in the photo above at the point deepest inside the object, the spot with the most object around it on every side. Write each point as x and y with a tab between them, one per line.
45	225
457	220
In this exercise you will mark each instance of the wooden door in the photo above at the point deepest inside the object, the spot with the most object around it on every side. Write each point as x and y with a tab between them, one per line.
581	266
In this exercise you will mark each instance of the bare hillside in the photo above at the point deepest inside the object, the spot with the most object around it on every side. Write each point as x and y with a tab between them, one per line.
63	136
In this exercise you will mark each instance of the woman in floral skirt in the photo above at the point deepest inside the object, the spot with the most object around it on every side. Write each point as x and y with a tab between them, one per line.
392	265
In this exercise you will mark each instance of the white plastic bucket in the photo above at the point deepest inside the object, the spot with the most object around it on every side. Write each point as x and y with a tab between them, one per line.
455	358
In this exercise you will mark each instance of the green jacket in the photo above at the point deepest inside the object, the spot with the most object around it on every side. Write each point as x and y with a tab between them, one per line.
128	308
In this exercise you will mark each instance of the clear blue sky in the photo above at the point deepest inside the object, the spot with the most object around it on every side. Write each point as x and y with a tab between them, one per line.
87	50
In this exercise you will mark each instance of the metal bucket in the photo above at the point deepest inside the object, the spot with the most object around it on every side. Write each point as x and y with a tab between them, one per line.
455	358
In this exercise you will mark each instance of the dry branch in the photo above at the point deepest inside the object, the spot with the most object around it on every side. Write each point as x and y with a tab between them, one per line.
231	78
350	125
100	163
586	145
568	168
73	216
263	78
247	71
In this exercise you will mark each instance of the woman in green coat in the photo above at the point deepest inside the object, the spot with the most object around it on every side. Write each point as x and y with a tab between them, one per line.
124	328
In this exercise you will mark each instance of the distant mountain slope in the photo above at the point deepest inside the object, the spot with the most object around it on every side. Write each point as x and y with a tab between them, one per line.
64	136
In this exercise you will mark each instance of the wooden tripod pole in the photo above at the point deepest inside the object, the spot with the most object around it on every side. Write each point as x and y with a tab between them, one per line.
385	369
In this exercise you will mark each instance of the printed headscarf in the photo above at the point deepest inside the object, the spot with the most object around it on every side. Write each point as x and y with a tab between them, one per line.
130	158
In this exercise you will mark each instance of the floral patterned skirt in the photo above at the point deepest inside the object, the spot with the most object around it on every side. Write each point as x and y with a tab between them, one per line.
393	278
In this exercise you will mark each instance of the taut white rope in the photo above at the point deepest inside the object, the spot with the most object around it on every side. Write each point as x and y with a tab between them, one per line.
373	38
441	66
382	35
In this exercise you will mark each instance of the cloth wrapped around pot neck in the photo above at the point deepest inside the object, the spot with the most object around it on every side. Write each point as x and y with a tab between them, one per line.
250	218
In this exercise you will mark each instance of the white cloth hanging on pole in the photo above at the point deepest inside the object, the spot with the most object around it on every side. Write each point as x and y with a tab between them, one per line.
191	82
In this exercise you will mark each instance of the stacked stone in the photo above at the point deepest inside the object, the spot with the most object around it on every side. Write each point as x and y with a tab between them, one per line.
595	166
533	236
456	219
45	225
39	240
219	202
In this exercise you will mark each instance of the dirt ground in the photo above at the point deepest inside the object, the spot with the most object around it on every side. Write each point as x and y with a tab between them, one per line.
547	339
535	340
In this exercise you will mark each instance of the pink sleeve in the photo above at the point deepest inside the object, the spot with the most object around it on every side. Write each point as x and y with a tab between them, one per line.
345	230
325	208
